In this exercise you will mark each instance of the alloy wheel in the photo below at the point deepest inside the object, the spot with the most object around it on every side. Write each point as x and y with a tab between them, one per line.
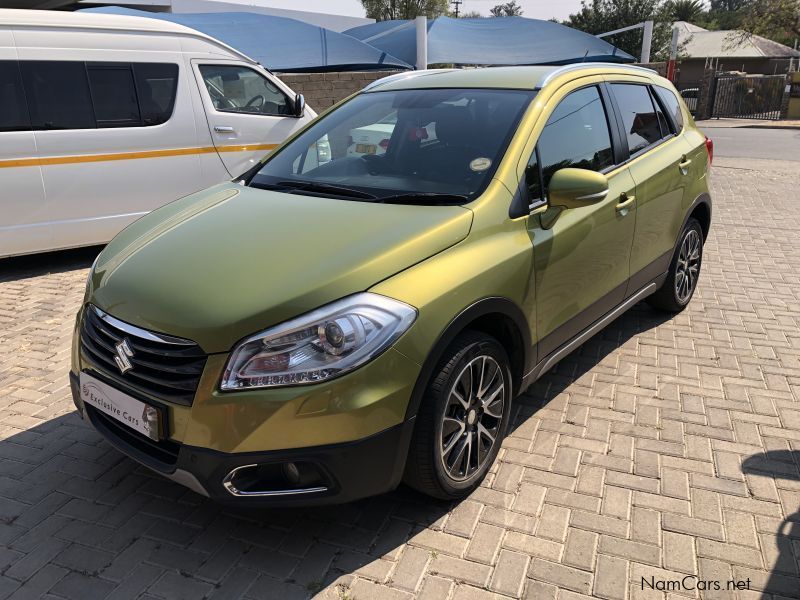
472	417
688	267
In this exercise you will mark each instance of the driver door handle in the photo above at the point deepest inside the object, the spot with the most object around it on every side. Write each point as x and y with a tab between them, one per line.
625	201
223	129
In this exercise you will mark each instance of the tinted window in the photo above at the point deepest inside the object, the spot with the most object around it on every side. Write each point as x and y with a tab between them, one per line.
639	119
156	85
58	95
113	95
576	135
671	105
13	110
239	89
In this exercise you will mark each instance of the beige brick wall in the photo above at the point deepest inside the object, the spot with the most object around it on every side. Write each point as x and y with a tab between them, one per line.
323	90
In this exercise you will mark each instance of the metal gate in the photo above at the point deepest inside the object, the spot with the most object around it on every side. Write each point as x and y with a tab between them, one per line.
748	96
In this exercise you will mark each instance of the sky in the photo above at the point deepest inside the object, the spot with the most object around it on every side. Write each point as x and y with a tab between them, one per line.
535	9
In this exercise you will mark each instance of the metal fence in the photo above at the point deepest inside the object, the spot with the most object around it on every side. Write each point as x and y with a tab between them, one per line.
748	96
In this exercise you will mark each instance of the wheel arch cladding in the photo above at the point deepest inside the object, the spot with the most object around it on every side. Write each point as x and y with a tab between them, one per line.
498	317
701	210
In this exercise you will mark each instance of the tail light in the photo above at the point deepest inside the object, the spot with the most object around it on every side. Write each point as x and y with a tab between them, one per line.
710	148
384	143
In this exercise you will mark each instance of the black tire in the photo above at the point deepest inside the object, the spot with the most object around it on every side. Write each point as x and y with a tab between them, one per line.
425	466
670	296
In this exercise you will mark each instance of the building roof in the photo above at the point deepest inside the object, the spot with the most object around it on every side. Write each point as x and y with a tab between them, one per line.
701	43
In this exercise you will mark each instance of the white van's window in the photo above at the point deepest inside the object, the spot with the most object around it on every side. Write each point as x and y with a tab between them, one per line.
239	89
113	95
156	85
13	110
58	95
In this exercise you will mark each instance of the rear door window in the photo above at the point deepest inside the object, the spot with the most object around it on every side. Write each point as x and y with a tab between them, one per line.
13	109
576	135
113	95
58	94
639	118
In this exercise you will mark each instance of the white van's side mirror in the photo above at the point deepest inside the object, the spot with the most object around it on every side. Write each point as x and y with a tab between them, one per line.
299	105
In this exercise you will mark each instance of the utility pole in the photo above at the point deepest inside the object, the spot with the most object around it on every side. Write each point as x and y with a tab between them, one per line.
457	4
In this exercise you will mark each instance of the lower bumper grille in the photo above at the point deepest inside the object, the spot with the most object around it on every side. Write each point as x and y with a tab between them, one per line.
164	452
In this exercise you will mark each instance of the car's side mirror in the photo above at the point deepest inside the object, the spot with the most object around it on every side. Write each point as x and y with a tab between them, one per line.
299	105
575	188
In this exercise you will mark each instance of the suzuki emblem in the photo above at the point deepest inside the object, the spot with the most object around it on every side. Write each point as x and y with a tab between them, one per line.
123	355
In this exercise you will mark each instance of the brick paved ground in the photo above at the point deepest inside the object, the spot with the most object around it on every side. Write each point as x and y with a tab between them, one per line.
664	448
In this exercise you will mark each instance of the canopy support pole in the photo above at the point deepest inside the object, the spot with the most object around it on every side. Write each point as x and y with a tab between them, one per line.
673	55
647	40
422	42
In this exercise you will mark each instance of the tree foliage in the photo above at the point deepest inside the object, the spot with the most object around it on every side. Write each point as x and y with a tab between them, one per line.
686	10
384	10
777	20
508	9
601	16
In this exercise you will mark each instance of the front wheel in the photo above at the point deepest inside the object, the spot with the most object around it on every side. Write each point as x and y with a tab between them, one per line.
463	418
684	270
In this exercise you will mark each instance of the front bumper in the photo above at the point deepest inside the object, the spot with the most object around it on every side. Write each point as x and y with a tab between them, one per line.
347	471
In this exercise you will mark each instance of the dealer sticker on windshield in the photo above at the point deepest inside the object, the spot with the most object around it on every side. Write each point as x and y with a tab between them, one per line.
137	415
480	164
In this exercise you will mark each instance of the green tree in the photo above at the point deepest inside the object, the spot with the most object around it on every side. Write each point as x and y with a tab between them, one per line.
473	14
601	16
777	20
384	10
509	9
686	10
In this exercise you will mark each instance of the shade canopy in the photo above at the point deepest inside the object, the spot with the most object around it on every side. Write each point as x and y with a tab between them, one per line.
278	43
491	41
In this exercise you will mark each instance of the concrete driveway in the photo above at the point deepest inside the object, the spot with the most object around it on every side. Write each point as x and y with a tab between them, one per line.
660	458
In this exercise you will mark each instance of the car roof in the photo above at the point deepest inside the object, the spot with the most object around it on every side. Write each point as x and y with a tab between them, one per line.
521	78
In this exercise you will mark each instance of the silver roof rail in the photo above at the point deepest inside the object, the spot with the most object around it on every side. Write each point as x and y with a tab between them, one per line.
403	75
589	65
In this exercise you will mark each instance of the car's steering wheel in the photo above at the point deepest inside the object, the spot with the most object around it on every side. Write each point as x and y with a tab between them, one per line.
256	101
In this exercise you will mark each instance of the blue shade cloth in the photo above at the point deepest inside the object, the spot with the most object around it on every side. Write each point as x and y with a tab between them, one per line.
278	43
491	41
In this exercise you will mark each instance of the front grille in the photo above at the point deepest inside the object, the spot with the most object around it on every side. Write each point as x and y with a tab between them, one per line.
163	452
164	367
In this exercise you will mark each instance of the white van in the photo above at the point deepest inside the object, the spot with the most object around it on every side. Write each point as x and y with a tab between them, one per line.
104	118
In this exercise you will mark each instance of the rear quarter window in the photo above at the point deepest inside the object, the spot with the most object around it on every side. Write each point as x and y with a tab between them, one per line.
13	109
671	104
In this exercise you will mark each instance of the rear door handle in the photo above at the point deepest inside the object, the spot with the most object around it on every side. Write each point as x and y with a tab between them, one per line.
223	129
625	201
684	165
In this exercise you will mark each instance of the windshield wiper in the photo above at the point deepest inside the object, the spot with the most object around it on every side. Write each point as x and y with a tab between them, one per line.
324	188
424	198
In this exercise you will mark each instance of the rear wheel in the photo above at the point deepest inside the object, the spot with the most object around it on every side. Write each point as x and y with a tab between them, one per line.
463	418
684	270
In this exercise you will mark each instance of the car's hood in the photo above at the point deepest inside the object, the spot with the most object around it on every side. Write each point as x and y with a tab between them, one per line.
230	261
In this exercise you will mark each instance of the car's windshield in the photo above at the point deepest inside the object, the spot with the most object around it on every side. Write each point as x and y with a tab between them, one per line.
415	146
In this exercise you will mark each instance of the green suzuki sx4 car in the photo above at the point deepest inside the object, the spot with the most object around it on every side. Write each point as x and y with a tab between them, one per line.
316	332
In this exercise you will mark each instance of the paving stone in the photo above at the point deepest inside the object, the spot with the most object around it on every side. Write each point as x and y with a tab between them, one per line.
664	446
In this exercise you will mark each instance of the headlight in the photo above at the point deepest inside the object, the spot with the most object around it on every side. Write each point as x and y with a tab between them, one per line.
319	345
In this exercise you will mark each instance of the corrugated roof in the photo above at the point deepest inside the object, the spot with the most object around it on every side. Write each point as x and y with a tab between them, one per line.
701	43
